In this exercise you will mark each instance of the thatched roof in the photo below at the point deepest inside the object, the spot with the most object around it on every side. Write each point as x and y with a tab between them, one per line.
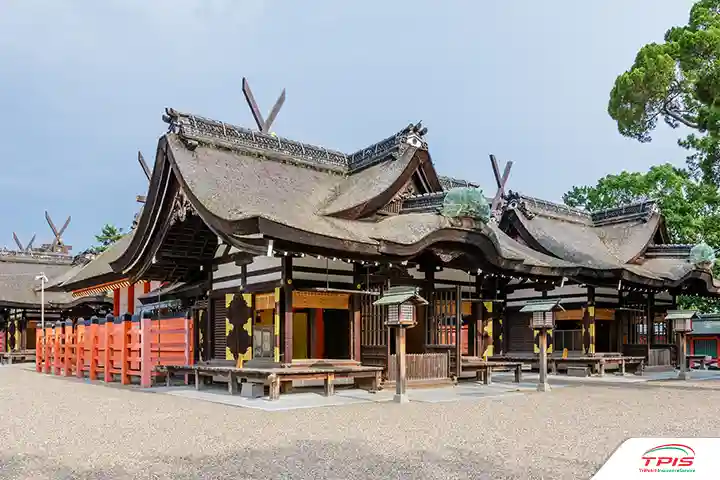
246	188
96	272
20	289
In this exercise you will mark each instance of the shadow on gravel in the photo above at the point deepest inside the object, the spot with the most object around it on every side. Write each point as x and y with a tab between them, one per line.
306	460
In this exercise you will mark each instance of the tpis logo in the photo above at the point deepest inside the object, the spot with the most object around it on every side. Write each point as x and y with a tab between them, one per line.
672	457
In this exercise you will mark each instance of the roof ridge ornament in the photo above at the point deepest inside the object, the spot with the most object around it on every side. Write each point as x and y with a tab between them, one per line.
702	256
262	124
57	245
148	175
501	181
466	205
26	248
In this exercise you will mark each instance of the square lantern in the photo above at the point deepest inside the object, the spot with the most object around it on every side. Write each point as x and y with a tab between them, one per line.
682	320
401	303
543	313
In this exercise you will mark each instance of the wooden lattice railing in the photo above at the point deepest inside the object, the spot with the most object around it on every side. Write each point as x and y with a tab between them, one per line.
422	366
111	347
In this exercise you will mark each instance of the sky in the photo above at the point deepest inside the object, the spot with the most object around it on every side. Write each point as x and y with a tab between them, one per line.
84	84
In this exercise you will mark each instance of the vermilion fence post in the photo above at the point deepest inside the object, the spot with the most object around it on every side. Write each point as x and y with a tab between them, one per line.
125	352
145	353
107	357
80	332
39	348
94	353
48	347
57	364
188	340
68	348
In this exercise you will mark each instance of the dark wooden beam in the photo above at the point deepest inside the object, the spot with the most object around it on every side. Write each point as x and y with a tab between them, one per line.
287	292
458	332
356	318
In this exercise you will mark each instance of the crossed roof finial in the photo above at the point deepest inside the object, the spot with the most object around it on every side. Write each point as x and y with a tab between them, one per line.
500	181
262	124
58	245
146	171
24	248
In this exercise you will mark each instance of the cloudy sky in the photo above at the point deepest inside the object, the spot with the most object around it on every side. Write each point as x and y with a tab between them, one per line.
83	85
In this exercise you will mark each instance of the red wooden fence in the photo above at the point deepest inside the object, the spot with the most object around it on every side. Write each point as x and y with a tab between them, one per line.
108	347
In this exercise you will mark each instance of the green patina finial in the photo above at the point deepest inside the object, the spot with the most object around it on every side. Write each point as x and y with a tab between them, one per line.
466	202
702	255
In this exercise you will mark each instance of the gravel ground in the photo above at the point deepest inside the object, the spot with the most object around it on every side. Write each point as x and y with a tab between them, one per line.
64	428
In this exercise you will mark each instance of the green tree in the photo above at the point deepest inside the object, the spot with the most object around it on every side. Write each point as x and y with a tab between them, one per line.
108	235
677	81
691	208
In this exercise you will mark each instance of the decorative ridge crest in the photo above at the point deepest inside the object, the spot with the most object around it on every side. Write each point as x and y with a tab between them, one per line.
679	250
663	246
201	129
51	258
641	209
410	136
452	182
426	202
535	206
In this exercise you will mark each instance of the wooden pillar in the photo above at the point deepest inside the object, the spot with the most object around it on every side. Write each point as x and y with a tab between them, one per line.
671	333
682	357
500	337
22	328
428	293
208	334
356	325
288	313
458	331
116	302
650	314
474	326
543	385
400	378
356	316
589	323
130	299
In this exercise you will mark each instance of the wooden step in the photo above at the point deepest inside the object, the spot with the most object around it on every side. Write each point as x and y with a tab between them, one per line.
431	383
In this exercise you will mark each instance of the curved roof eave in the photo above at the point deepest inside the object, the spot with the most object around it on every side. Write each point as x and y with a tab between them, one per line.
80	301
367	204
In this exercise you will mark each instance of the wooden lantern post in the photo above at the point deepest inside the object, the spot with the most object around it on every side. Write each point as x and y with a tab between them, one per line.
543	319
400	303
682	325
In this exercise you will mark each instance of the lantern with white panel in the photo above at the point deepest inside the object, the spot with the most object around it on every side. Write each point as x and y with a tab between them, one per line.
543	319
682	325
401	303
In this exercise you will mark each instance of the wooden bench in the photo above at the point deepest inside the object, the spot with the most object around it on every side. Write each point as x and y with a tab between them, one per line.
17	357
277	378
704	361
484	369
598	363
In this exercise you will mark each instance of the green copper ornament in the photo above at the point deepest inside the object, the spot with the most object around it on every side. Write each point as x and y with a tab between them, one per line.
466	202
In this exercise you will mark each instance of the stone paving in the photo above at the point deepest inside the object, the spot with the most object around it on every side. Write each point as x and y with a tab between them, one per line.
309	399
465	391
66	428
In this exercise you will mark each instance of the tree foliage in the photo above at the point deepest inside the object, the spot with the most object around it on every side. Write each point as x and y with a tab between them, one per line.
107	236
677	81
691	208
